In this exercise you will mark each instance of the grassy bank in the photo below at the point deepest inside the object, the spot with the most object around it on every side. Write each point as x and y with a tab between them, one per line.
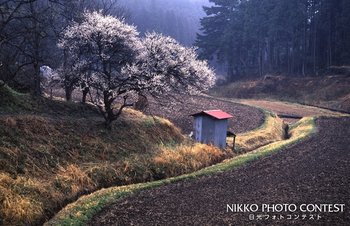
271	131
80	212
53	152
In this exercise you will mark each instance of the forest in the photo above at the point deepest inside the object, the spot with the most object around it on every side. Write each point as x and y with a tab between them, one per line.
256	37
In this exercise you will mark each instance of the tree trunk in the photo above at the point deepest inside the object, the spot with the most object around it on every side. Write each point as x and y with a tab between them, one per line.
230	73
37	88
304	46
108	111
108	114
260	58
108	124
85	93
36	53
314	43
68	90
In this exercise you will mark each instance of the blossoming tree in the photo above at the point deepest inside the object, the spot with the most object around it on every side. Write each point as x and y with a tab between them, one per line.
103	45
116	62
165	67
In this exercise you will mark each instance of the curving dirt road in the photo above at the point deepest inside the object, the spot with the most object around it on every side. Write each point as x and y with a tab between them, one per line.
315	171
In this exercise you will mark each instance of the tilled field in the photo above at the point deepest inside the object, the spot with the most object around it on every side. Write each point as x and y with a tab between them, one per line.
245	118
315	171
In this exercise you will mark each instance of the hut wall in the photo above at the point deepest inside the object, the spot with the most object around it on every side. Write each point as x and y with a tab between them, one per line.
198	129
220	133
208	130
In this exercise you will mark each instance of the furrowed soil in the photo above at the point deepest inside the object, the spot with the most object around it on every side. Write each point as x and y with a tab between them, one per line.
179	112
315	171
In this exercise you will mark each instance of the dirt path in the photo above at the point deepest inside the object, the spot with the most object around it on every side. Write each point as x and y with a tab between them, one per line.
315	171
290	112
291	109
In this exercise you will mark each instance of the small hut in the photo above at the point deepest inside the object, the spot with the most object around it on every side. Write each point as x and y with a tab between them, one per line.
211	127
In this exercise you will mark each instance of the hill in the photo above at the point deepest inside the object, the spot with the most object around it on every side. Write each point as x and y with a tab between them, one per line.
328	91
51	152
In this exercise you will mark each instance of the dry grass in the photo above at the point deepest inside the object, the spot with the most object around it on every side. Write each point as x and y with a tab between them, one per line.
18	202
271	131
185	158
72	180
48	161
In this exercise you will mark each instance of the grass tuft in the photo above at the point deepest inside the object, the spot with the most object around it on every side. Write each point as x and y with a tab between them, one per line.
185	158
17	207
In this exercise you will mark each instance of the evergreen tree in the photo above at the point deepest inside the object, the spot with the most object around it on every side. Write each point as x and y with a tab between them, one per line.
256	37
219	33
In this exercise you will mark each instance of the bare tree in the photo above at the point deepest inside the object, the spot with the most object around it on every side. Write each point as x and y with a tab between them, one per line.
23	31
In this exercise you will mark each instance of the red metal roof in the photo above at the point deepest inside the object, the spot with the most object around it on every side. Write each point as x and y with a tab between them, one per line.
218	114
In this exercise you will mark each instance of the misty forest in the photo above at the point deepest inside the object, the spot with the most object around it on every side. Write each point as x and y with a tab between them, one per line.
164	112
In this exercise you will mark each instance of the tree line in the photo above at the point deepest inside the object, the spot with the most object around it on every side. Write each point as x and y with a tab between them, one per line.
255	37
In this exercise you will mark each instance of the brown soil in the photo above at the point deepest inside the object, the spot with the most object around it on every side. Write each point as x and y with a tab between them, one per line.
179	111
314	171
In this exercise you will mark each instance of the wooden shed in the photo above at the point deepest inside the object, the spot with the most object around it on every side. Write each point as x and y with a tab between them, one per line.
210	127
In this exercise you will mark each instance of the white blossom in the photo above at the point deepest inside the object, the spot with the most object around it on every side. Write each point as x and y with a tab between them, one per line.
165	66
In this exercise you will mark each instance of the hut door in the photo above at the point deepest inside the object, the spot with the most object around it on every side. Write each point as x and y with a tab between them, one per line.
198	129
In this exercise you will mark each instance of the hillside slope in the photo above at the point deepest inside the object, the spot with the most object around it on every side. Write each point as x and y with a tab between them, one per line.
51	152
328	91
